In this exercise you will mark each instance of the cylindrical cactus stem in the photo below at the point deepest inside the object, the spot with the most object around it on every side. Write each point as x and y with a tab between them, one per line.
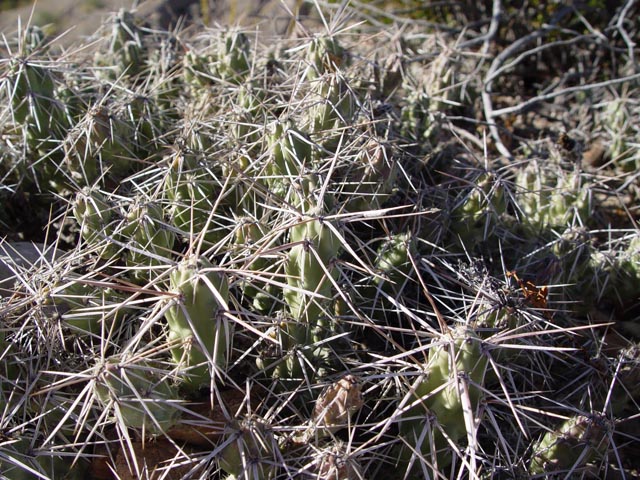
478	209
150	239
31	90
246	241
371	179
126	55
393	262
332	109
198	329
325	55
572	445
96	219
196	70
140	393
234	58
249	450
90	310
290	151
451	387
192	190
310	269
552	198
28	84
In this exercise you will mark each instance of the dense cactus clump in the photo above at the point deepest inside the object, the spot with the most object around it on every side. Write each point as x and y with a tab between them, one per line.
304	257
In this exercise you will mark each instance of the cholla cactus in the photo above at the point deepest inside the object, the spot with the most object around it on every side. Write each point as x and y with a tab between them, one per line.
96	219
126	55
393	262
140	393
290	152
200	334
625	391
325	55
617	119
370	179
445	397
191	189
102	143
479	208
613	275
577	441
310	268
197	71
233	58
90	310
551	199
150	240
31	88
247	239
249	450
333	105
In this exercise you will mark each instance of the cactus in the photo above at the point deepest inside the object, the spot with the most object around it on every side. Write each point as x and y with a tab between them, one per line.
256	220
248	450
96	219
331	111
90	310
393	262
453	378
150	240
548	200
31	89
370	179
192	190
290	152
126	55
479	209
309	265
325	55
577	441
233	58
248	235
617	120
199	332
142	396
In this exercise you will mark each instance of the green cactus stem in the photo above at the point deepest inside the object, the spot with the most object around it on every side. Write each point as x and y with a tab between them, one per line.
142	396
572	445
453	376
200	333
150	240
96	218
248	451
192	190
310	261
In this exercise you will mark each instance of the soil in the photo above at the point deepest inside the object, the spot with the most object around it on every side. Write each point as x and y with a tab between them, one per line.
74	20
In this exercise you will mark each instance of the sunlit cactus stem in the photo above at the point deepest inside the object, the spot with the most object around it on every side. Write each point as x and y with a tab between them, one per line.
142	396
150	239
198	330
310	268
446	396
97	222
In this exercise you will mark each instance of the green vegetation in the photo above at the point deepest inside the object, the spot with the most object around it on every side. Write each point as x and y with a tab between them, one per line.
349	253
